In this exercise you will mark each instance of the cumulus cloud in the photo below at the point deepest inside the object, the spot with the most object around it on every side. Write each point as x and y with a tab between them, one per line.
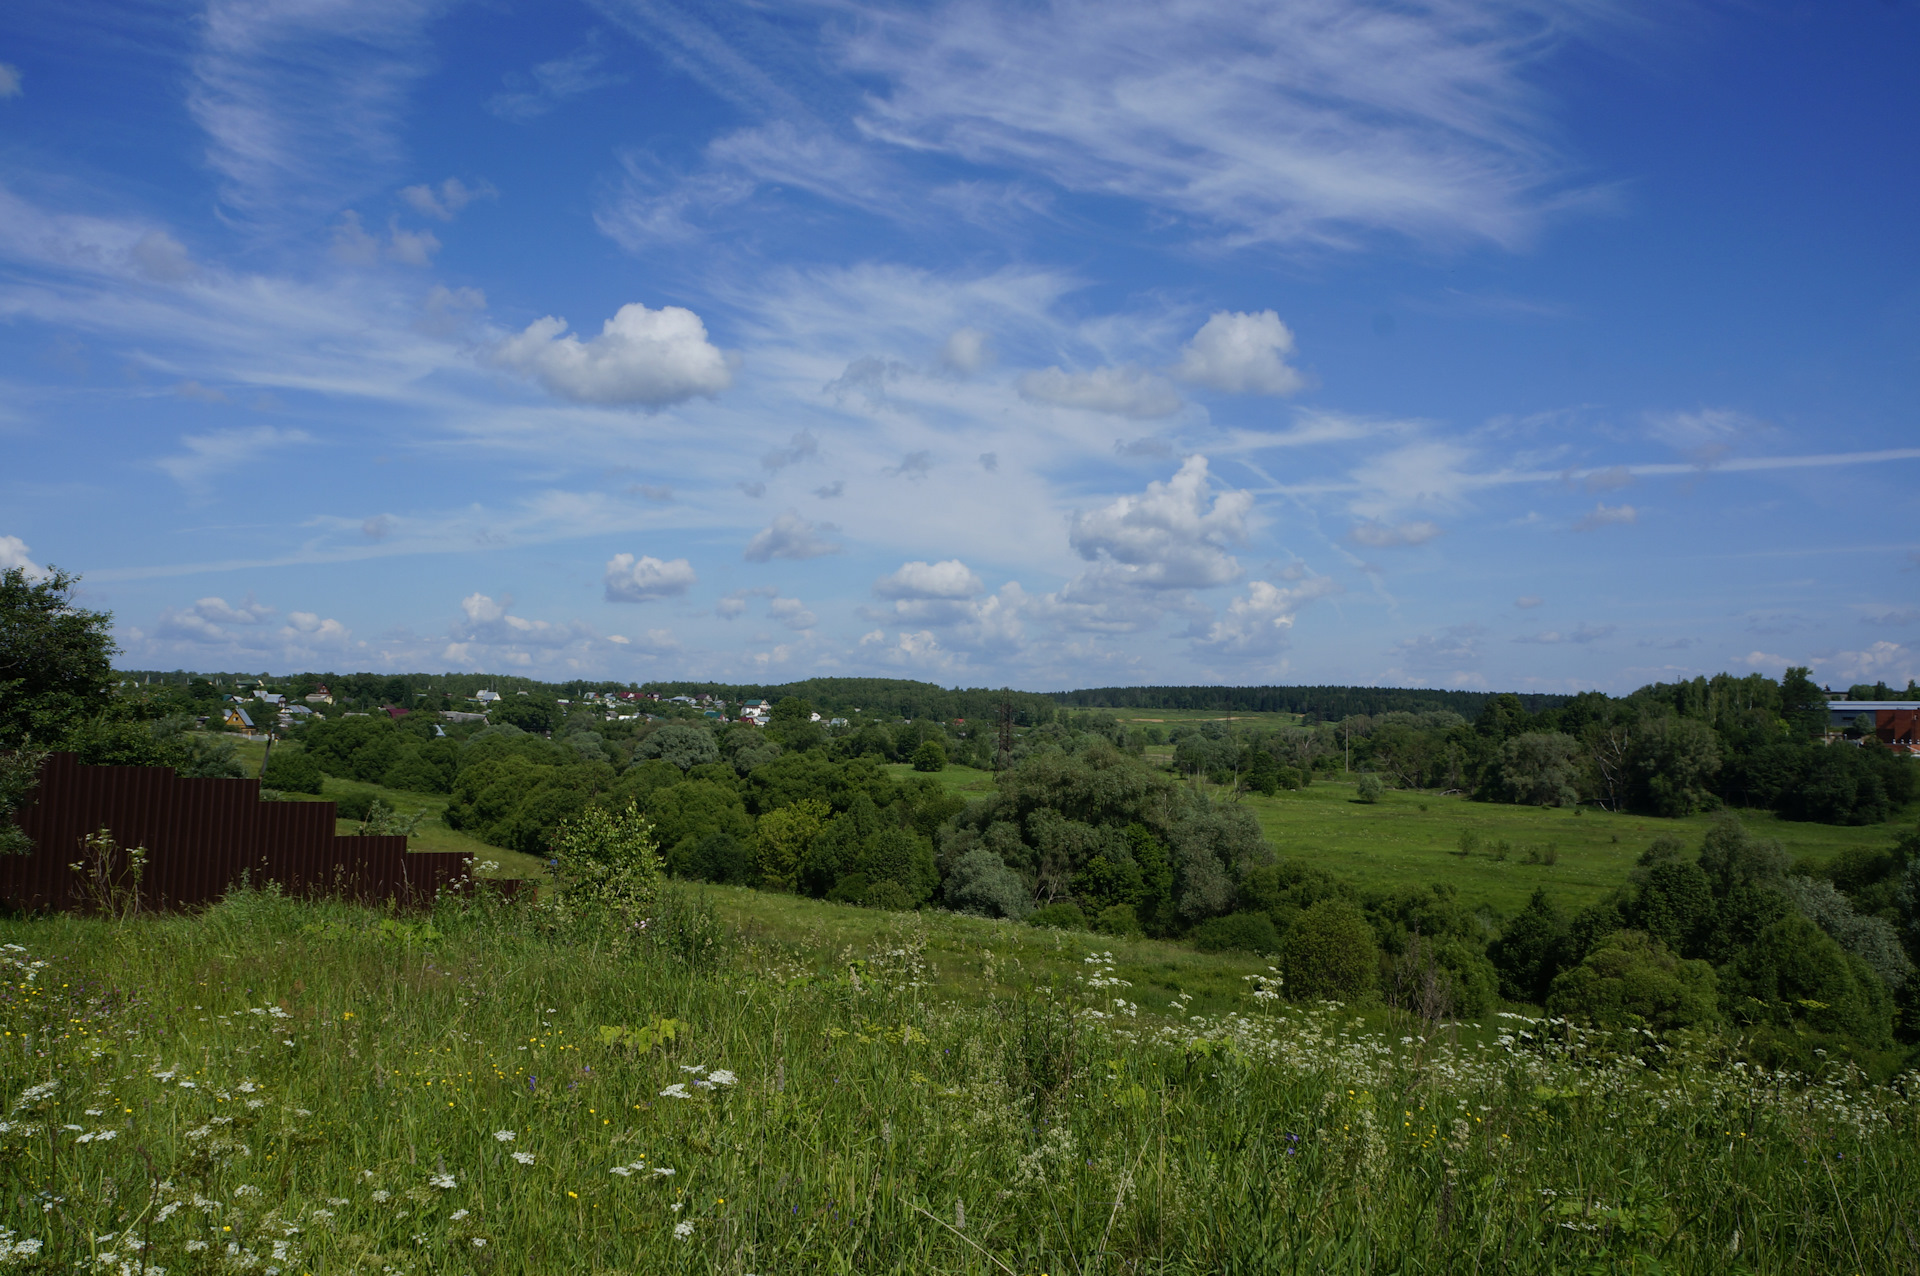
1884	661
1454	649
792	613
446	201
831	491
1527	602
1241	354
914	465
1385	536
1126	391
493	623
248	626
1173	536
802	447
644	579
949	579
793	537
310	627
644	358
1259	621
13	553
967	351
414	247
1584	634
1603	515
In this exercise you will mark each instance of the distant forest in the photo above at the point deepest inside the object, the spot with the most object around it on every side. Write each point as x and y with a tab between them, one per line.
1320	704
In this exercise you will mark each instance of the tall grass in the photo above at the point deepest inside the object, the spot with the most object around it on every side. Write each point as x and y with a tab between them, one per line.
281	1087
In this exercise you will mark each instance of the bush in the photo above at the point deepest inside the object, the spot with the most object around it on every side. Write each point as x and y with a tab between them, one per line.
1632	980
1065	915
609	867
930	756
353	806
1236	933
1330	952
1118	920
1369	788
891	896
292	771
980	882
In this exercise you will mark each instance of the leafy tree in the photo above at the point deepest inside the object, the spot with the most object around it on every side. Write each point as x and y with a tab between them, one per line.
1541	768
1527	953
19	776
524	712
1874	940
980	882
1329	952
1368	788
1632	980
56	659
930	757
1803	704
1065	915
1796	981
682	814
1673	765
292	771
679	743
785	836
609	867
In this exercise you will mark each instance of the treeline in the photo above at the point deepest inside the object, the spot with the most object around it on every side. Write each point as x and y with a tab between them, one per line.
878	697
1320	703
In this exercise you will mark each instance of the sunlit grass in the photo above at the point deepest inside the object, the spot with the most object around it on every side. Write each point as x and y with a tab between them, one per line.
279	1087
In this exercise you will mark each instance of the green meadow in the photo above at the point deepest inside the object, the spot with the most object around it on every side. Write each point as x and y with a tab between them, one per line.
278	1087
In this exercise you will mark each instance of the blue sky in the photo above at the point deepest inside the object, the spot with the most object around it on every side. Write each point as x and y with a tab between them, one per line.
1478	344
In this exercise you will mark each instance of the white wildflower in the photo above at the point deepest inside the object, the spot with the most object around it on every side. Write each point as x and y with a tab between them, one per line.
479	1242
382	1197
683	1230
246	1189
445	1182
720	1076
693	1067
675	1091
459	1214
663	1171
194	1247
525	1158
504	1136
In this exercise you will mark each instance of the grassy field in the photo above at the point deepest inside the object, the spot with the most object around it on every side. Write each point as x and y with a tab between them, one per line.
1415	838
1175	717
963	780
277	1087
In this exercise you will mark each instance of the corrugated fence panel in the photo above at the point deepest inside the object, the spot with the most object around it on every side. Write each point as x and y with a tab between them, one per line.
204	836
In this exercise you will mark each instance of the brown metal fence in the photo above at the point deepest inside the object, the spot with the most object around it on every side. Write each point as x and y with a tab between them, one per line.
203	836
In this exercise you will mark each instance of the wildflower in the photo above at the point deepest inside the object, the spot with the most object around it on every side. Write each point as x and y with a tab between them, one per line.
194	1247
246	1189
445	1182
663	1171
720	1076
459	1214
382	1197
479	1242
675	1091
525	1158
504	1136
683	1230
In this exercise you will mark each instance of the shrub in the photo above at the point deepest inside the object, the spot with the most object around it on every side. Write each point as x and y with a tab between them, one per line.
1118	920
1065	915
891	896
292	771
1632	980
1369	788
930	756
980	882
609	866
1330	952
1236	933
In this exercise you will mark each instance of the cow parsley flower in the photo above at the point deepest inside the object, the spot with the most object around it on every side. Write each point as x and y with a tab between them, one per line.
720	1076
504	1136
683	1230
445	1182
675	1091
525	1158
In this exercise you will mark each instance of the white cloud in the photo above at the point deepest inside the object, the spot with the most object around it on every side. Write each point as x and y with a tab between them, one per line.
443	204
802	447
1383	536
642	580
1603	515
9	80
13	553
210	455
792	613
1704	436
414	247
493	623
1453	650
967	351
1882	662
1428	474
1259	621
161	258
914	465
790	536
1171	537
1241	354
648	358
949	579
1278	123
550	83
1128	391
307	626
1526	602
1586	633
